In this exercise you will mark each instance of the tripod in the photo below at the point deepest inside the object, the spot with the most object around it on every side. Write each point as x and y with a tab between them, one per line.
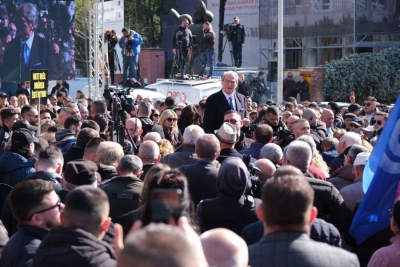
179	60
227	40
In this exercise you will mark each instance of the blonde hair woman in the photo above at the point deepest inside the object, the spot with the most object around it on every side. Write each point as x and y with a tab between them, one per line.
169	122
22	100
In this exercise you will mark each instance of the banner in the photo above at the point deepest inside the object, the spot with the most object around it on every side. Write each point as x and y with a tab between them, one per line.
380	181
39	81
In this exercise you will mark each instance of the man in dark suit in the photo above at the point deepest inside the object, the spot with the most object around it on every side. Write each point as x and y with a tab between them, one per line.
202	176
28	50
287	212
226	99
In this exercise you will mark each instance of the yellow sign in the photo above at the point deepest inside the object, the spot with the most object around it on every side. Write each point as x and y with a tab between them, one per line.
39	81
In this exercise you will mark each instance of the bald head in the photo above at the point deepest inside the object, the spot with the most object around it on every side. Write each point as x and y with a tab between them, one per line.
327	117
224	248
267	168
133	127
290	121
311	116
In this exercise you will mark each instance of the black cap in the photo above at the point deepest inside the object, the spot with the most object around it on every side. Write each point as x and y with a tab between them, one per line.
22	138
349	115
2	94
353	107
81	172
23	124
270	103
357	121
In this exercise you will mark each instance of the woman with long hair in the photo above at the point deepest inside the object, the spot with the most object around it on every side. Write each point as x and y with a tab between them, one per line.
169	122
22	100
189	116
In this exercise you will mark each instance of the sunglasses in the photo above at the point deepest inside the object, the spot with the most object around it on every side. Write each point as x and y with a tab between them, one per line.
253	118
290	76
44	210
377	122
354	126
171	119
367	104
233	121
156	115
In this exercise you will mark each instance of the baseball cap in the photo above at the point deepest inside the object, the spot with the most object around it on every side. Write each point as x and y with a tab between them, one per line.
236	18
22	138
361	158
227	133
81	172
370	128
349	115
358	121
2	94
23	124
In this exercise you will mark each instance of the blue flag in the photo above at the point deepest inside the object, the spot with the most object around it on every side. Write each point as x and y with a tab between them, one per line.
380	181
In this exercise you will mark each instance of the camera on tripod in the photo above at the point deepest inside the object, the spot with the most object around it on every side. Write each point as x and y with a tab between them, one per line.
228	30
256	183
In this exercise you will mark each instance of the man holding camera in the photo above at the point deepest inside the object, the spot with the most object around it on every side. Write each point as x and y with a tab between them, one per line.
112	40
237	39
207	48
130	44
182	44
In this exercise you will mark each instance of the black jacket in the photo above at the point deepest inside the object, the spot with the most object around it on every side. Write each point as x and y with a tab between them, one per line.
243	88
216	106
238	34
106	172
21	248
183	35
321	231
227	212
202	180
66	246
336	163
302	88
149	126
230	152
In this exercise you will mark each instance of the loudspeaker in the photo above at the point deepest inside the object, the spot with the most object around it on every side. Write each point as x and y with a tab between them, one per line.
272	71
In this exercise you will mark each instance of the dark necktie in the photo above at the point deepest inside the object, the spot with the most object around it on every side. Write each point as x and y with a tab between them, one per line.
24	59
231	103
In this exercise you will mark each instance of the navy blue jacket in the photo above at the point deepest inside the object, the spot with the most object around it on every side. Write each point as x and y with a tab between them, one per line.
22	246
254	150
329	155
14	168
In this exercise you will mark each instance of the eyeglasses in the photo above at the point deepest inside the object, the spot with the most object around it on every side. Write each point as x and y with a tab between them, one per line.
391	212
233	121
171	119
44	210
377	122
354	126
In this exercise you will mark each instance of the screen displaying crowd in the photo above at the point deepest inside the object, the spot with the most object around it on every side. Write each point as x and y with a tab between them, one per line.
37	35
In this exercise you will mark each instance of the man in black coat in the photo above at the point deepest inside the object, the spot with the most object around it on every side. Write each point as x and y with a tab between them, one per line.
37	208
148	125
226	99
243	87
28	50
202	176
79	242
302	87
237	38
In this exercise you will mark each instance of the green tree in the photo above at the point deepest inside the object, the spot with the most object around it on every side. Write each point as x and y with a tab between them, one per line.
375	74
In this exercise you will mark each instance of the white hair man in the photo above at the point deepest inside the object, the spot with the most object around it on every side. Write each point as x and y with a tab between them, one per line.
108	155
185	154
348	139
273	152
149	153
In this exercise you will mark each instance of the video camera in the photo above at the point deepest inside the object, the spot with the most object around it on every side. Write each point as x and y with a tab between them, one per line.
228	30
123	98
256	183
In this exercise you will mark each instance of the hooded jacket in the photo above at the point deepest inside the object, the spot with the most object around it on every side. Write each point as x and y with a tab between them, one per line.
13	169
66	246
232	208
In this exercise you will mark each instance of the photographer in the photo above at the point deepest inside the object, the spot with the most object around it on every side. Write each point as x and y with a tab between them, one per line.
237	38
112	40
261	92
207	49
130	43
182	45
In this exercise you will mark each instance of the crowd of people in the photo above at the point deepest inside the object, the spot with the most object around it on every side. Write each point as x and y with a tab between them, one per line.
234	183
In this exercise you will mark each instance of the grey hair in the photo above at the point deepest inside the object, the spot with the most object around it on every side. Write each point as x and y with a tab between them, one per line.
299	154
153	136
273	152
145	108
309	140
130	163
191	134
350	139
149	150
32	14
231	72
355	150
